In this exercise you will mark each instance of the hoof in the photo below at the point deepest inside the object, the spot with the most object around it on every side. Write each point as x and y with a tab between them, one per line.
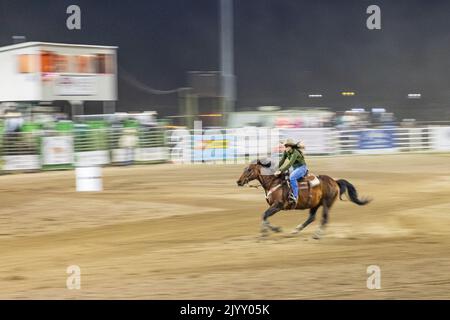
264	233
277	229
295	231
317	235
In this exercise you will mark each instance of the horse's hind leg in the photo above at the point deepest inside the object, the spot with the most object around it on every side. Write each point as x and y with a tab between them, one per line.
327	203
311	218
325	214
318	234
274	208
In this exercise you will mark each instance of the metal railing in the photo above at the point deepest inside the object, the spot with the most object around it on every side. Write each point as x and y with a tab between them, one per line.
108	146
243	145
53	149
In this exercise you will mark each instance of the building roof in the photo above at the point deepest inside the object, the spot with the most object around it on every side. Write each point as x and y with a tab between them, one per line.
37	44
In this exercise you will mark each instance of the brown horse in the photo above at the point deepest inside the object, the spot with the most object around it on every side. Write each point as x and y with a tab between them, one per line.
277	191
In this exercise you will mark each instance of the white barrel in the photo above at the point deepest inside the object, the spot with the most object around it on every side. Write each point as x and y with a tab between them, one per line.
89	179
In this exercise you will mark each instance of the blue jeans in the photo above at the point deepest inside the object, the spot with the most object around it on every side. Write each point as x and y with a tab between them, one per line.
294	176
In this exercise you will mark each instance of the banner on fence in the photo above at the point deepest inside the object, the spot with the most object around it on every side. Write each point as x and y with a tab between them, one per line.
92	158
179	142
376	140
317	140
119	155
234	144
57	150
209	147
21	162
151	154
441	138
256	142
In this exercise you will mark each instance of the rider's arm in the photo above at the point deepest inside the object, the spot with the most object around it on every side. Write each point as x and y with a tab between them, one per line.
283	158
287	165
301	157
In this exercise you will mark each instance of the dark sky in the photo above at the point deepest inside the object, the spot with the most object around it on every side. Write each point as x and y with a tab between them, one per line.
284	49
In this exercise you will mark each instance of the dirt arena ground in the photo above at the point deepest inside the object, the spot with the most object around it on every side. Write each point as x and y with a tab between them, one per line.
188	232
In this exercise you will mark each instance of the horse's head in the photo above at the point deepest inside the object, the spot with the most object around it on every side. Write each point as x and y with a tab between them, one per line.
252	172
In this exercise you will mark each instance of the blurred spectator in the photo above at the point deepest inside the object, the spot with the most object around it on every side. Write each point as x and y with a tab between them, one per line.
128	142
13	124
408	123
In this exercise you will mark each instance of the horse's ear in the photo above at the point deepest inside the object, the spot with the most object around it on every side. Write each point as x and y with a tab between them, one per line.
265	165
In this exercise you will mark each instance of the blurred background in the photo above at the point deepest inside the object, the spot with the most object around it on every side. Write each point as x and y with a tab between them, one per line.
160	66
289	54
139	90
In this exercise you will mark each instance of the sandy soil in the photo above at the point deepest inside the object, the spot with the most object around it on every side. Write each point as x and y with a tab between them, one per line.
188	232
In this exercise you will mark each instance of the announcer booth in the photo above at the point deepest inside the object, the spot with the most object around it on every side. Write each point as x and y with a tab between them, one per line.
34	72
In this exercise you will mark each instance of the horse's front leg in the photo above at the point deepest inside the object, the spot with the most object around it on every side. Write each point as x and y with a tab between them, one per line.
265	226
311	218
319	232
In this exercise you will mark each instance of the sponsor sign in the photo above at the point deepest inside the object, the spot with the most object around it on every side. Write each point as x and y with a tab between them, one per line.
57	150
209	147
92	158
120	155
317	140
180	146
22	162
441	138
376	139
255	142
151	154
75	86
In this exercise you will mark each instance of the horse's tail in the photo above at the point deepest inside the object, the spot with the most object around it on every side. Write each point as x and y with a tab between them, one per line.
344	186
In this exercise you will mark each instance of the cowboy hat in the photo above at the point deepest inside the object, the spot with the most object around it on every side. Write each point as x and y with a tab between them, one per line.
290	142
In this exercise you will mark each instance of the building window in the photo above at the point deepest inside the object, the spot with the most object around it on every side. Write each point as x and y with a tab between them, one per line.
105	64
61	63
52	62
47	64
26	63
83	64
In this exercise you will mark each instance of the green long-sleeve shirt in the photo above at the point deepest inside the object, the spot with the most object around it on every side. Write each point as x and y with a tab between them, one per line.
295	159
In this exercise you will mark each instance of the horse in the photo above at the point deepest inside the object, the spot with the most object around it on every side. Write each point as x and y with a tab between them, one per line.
277	190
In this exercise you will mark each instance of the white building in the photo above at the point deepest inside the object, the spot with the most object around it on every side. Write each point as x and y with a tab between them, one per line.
38	71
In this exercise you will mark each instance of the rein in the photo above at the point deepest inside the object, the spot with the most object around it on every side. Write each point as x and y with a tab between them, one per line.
271	190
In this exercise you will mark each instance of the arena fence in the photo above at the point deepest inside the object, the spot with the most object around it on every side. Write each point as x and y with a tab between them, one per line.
52	150
245	144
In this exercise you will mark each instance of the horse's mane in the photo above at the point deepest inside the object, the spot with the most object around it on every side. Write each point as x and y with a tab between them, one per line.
269	166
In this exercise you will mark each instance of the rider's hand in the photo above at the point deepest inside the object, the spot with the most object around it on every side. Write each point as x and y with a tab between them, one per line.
277	173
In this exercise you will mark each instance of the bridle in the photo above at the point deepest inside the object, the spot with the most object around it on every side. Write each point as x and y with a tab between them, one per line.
271	190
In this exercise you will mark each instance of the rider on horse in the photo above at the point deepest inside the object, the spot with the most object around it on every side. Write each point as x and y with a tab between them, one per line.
296	160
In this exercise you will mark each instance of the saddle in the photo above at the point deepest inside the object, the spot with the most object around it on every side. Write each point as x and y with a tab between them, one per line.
305	185
309	179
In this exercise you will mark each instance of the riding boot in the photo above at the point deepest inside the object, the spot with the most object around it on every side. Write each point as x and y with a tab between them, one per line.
292	200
